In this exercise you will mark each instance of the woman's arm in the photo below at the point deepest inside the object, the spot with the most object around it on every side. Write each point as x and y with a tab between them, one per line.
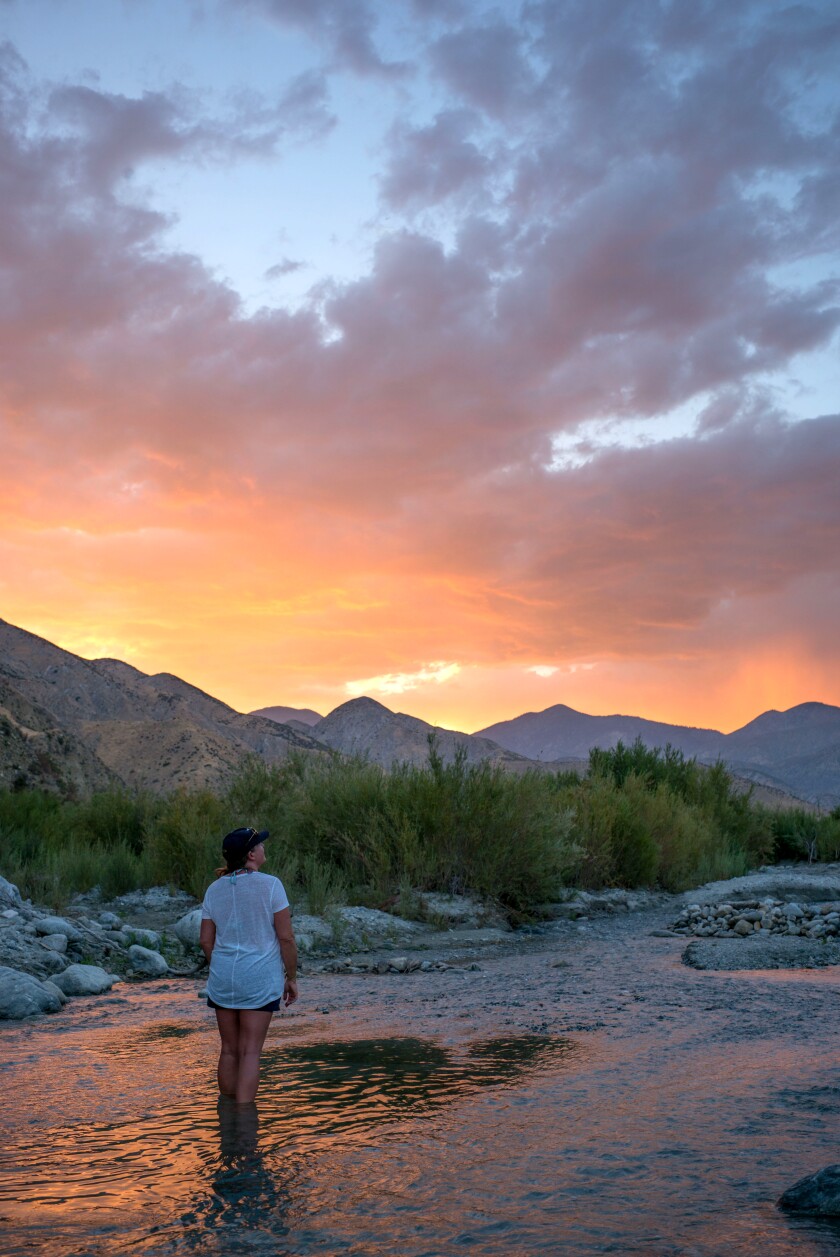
207	938
288	950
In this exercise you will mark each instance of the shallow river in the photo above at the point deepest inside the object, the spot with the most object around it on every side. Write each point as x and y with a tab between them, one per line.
435	1114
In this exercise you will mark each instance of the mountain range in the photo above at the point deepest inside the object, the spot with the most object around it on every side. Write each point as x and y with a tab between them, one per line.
797	751
79	725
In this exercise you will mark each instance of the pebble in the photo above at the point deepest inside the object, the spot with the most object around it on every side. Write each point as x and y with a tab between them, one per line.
766	916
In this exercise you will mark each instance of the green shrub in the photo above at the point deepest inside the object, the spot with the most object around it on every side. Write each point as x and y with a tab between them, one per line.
614	835
184	843
347	828
325	885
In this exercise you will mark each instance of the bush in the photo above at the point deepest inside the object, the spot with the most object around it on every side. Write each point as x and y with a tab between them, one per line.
641	817
614	836
449	827
184	843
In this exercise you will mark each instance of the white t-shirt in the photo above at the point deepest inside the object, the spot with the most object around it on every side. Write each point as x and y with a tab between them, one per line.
246	968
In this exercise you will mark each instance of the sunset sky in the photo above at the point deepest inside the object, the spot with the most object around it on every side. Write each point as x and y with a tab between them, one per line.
475	357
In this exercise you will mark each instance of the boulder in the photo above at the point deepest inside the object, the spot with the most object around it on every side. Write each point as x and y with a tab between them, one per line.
58	925
26	952
50	986
187	928
147	962
22	995
452	911
816	1194
144	938
84	980
156	899
312	933
110	921
365	927
54	942
9	895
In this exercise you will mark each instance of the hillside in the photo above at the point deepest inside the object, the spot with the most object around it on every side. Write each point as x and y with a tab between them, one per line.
290	715
560	732
796	751
76	724
367	728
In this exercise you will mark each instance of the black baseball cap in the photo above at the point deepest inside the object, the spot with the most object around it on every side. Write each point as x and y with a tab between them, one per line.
239	842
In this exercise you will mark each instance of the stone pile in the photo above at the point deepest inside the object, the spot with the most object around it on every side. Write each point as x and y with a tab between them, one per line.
44	957
399	964
760	916
581	904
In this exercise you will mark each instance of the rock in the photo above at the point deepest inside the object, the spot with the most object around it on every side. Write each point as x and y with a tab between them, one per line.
156	899
50	986
145	938
10	914
366	927
817	1194
49	961
742	927
460	910
54	942
22	995
58	925
187	928
147	962
110	921
312	933
84	980
9	895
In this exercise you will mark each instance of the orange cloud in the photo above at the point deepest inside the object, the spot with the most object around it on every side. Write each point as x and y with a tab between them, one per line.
278	505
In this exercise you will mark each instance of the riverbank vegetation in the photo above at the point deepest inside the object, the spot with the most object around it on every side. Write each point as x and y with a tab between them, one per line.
347	831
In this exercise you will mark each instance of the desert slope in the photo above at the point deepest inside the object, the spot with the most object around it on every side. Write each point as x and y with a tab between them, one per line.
72	723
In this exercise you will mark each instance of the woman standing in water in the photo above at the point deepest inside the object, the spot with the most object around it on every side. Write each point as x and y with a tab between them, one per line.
247	938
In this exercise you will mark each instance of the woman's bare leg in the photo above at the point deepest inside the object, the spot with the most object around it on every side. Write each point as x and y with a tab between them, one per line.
227	1019
253	1027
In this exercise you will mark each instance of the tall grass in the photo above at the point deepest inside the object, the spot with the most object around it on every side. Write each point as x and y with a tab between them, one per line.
53	848
347	828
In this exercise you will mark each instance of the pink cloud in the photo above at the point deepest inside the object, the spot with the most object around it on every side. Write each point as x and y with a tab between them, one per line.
368	479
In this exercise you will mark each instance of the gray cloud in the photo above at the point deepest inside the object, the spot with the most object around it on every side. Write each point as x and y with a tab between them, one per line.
487	67
286	267
431	164
345	28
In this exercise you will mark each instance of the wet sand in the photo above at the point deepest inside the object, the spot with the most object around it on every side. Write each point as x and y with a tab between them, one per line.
582	1091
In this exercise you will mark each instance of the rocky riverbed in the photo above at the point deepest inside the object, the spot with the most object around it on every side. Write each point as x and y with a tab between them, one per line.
578	1087
46	958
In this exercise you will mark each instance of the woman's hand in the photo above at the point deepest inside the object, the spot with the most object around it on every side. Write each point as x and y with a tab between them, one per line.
290	991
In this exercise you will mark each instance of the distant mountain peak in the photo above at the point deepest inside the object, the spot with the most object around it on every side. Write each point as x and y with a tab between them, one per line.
362	703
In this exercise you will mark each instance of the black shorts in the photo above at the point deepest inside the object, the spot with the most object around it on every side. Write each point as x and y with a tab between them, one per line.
272	1007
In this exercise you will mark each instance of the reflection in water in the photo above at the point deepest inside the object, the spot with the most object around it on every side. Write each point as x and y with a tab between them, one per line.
244	1198
524	1145
221	1179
